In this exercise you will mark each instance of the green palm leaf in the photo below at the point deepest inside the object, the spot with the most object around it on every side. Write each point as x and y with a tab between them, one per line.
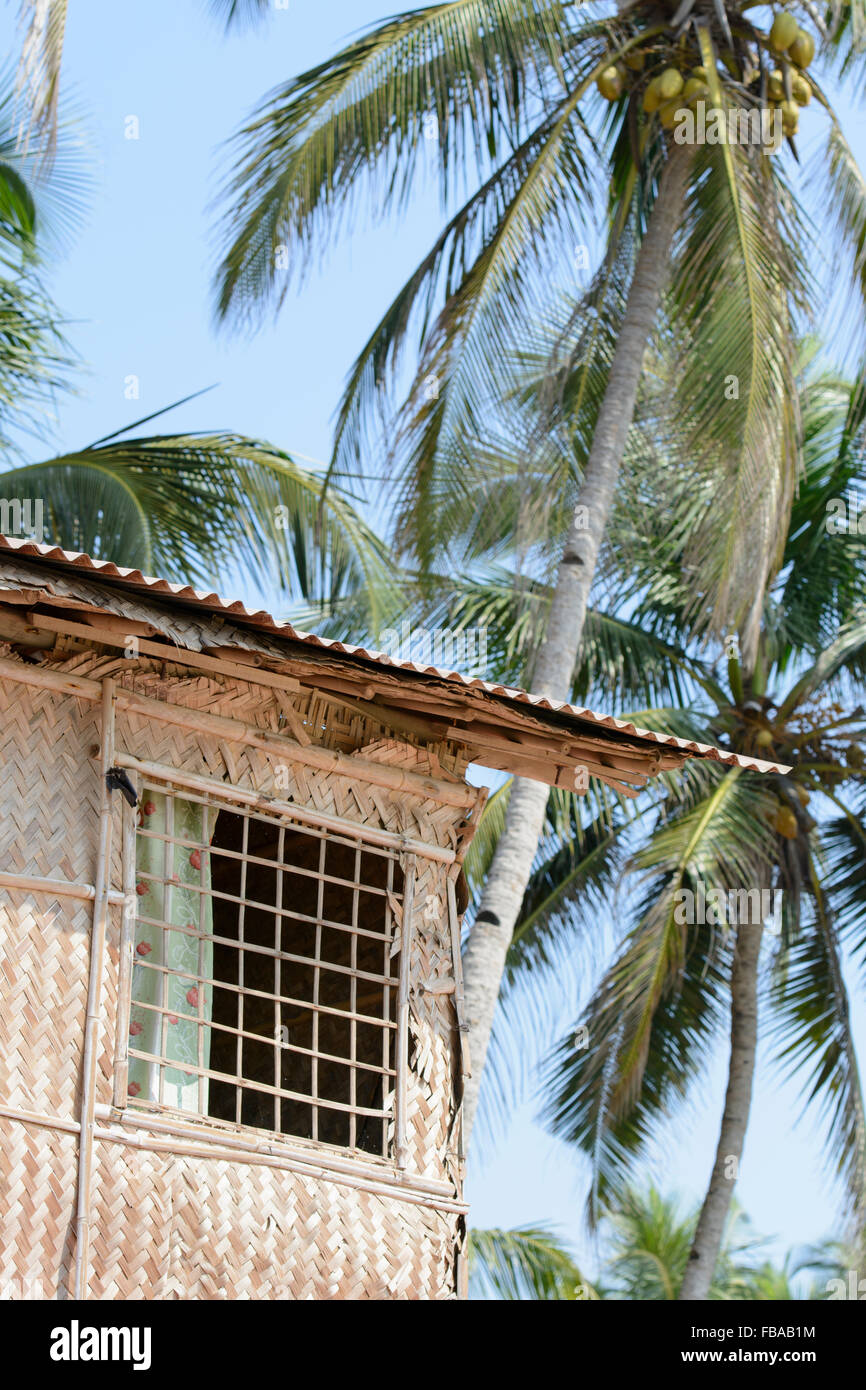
528	1263
814	1038
465	64
189	506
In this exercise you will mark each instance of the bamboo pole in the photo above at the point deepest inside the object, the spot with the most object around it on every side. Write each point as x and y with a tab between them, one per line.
212	1143
125	962
56	887
459	1001
34	1117
381	1188
94	1000
271	805
401	1081
232	1142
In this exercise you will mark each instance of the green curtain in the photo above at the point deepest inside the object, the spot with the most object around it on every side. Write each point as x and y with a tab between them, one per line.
170	904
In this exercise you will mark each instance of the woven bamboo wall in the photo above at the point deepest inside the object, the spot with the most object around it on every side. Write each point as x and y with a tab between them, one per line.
166	1224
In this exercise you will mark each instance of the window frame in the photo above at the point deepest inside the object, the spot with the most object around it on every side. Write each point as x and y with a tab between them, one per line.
256	806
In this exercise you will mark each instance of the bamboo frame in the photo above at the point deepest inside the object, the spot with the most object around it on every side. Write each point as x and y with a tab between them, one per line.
94	1000
407	1192
314	1007
400	1088
125	959
457	959
212	1143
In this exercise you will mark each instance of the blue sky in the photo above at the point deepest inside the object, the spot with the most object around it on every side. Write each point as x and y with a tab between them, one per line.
135	289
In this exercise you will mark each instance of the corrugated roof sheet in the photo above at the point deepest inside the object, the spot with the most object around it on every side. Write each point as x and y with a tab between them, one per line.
185	594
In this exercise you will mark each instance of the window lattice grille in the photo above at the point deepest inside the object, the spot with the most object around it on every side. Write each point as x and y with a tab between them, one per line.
265	981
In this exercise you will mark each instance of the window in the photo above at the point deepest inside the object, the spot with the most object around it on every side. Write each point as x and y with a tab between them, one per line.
264	989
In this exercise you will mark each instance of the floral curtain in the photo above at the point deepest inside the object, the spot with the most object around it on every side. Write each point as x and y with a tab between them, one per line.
180	1033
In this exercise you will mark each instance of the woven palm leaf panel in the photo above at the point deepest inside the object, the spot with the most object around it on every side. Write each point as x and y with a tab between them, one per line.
279	1201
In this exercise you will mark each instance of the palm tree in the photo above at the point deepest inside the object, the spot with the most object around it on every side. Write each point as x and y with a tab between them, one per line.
649	1029
547	108
663	1001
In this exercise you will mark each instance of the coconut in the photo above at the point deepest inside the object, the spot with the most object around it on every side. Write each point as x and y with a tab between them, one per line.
802	796
776	85
802	50
668	112
800	89
695	87
790	117
609	83
764	738
786	823
783	31
635	60
700	72
652	96
670	84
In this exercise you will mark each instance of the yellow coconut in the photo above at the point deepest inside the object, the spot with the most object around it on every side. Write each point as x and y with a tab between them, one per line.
802	796
786	823
783	31
670	84
800	89
668	112
700	72
790	117
764	738
635	61
776	85
609	83
695	87
802	50
652	96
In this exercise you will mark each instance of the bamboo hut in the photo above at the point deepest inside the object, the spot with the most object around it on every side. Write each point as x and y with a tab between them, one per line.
232	1038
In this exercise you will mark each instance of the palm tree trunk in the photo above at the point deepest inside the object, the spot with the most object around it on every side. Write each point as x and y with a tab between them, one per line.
491	934
735	1117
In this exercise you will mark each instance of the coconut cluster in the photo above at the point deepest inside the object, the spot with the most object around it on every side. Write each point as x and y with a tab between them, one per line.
678	85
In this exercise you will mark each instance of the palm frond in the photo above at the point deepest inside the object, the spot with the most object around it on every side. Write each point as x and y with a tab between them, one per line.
44	25
530	1262
736	285
42	202
843	839
845	191
239	12
660	1004
814	1039
35	361
847	653
463	65
190	506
